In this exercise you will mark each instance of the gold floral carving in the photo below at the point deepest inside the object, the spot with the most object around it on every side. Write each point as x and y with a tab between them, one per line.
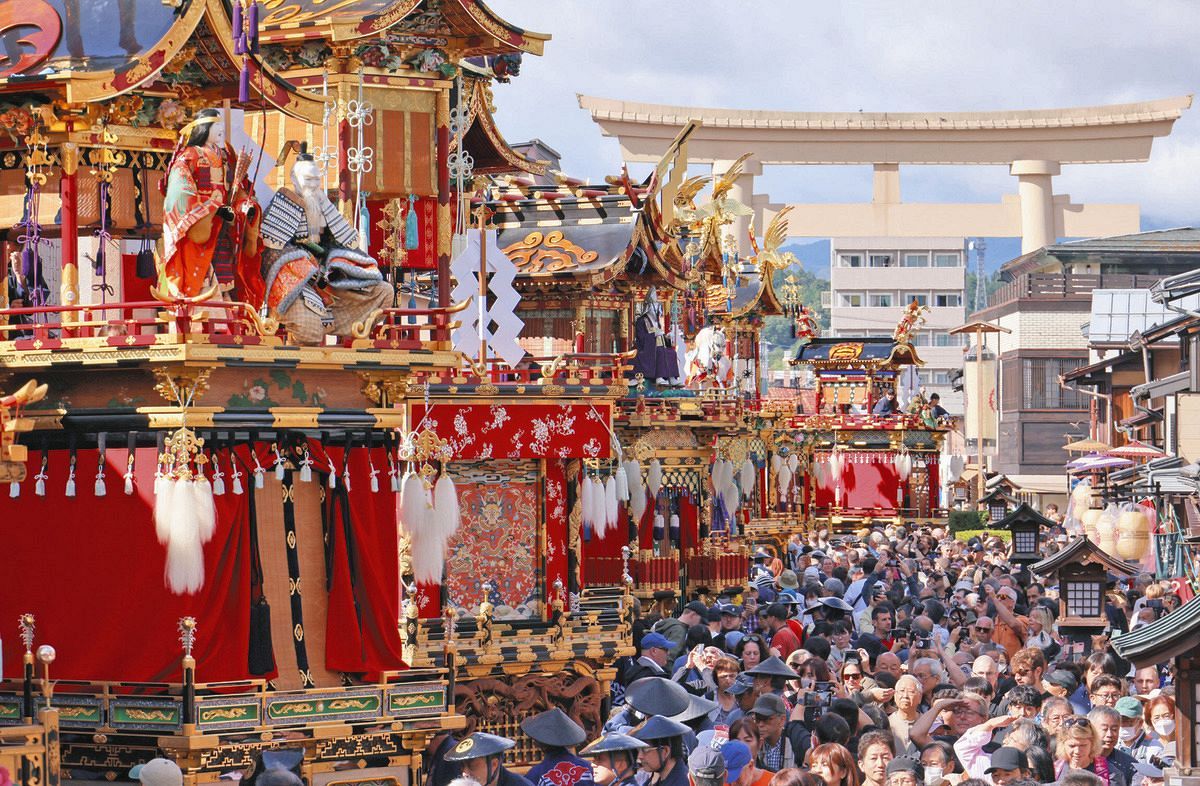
548	252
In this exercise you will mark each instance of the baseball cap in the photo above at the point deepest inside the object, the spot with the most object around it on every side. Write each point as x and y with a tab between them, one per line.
657	640
697	607
1128	707
1006	758
707	763
737	755
769	704
158	772
906	764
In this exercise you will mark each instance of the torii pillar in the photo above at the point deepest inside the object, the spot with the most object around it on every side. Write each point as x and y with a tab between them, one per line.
742	191
1036	191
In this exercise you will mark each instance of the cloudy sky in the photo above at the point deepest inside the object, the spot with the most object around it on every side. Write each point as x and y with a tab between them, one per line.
848	55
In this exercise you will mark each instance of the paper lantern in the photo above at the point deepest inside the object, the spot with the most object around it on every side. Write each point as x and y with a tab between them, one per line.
1090	518
1106	529
1133	533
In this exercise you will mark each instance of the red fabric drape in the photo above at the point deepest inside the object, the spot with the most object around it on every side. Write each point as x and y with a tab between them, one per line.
90	569
864	486
689	524
363	637
557	545
646	526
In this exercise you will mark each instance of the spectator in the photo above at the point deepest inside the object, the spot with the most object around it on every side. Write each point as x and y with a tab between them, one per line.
834	764
876	749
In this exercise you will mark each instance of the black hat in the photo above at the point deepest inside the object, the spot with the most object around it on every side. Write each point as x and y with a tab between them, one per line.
479	745
664	595
835	604
555	728
698	707
769	704
656	696
773	667
1007	758
656	727
907	764
613	742
697	607
1062	678
741	684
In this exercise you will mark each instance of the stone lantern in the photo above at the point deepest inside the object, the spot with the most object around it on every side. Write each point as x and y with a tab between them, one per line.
1027	527
1081	570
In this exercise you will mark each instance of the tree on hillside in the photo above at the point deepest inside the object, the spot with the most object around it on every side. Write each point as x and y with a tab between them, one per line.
777	331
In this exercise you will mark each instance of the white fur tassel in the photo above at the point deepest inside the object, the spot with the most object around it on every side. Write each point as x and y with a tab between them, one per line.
14	490
776	462
654	478
585	503
622	481
428	549
793	462
785	482
732	499
611	504
633	475
637	505
748	473
165	490
185	551
445	506
205	510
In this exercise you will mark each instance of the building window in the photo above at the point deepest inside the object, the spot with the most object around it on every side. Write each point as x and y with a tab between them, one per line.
941	377
851	260
948	300
916	260
922	298
881	260
922	339
881	301
1041	388
852	300
947	260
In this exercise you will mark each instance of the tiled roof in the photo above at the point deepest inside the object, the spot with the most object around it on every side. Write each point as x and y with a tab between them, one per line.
1166	637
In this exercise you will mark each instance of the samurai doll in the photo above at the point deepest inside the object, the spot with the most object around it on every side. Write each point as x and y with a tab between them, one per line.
318	282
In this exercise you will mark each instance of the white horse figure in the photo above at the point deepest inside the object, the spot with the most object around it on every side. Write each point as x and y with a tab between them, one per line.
707	363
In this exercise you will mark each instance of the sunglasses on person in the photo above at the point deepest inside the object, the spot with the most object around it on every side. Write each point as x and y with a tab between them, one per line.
852	675
983	629
1076	721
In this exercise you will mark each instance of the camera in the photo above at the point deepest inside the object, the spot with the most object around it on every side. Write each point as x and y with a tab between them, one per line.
923	643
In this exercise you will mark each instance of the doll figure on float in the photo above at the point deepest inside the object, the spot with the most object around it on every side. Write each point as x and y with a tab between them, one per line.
318	281
210	218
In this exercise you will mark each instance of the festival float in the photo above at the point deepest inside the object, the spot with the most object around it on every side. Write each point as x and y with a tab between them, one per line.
843	466
286	494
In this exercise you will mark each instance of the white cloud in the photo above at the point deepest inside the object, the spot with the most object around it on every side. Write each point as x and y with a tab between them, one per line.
902	55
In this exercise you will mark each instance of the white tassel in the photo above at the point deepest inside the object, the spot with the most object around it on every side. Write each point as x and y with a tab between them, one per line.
622	481
784	483
732	499
39	487
218	483
585	503
100	488
279	468
185	551
14	489
793	462
305	468
346	478
748	473
836	464
128	483
654	478
332	478
637	505
611	504
599	508
427	547
374	480
206	509
633	474
445	506
163	504
776	462
260	474
393	478
71	484
236	478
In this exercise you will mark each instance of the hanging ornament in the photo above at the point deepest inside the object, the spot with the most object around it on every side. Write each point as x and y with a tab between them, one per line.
611	505
235	474
393	478
130	458
654	478
39	486
259	472
218	477
279	467
776	462
71	475
184	513
374	473
783	483
445	504
14	489
306	466
660	527
793	462
622	480
412	234
748	475
585	502
904	465
416	508
101	451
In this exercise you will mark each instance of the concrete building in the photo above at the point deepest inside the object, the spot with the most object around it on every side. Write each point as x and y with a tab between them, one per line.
1046	305
872	281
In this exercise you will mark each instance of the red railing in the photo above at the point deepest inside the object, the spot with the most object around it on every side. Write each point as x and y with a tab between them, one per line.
654	573
718	570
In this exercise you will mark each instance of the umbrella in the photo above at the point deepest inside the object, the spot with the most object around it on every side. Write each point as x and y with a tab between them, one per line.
1096	461
1086	446
1136	449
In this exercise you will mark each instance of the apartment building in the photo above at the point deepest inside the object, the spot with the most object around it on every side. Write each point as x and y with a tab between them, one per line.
873	279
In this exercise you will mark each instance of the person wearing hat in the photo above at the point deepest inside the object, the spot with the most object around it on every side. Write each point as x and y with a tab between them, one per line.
557	735
653	660
781	744
731	627
662	759
905	771
771	676
789	587
482	757
618	753
739	766
675	629
648	696
441	772
157	772
706	766
1007	765
1133	737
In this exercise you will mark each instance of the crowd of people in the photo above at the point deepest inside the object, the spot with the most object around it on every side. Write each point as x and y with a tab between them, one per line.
892	658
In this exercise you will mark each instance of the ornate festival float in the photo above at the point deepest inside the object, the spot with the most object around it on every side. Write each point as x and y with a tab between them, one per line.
853	462
289	493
